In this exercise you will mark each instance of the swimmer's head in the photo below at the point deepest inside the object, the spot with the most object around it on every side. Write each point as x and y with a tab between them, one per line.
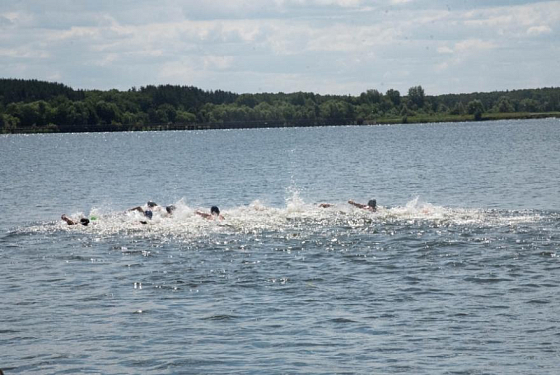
214	210
84	221
170	209
148	214
372	203
152	204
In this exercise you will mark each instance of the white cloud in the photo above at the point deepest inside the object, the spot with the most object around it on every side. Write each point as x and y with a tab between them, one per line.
539	30
442	66
340	3
108	59
15	17
514	21
347	38
73	33
329	46
463	52
217	62
181	71
401	1
23	53
444	50
473	46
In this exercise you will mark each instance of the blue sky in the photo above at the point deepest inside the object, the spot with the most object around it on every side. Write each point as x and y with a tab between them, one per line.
322	46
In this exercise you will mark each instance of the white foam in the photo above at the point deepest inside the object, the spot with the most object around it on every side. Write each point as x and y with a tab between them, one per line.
295	215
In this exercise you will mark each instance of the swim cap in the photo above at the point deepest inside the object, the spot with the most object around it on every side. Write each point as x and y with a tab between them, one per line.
170	209
372	203
148	214
214	210
84	221
152	204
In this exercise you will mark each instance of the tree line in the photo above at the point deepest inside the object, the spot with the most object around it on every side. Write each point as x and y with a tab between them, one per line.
32	105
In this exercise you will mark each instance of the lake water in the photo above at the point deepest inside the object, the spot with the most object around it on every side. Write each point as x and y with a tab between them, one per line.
457	273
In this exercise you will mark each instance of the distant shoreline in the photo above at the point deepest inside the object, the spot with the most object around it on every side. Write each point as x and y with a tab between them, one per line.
276	124
32	106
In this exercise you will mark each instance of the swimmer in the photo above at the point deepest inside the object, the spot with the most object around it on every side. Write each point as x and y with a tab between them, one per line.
154	207
151	206
370	206
326	205
169	209
69	221
214	213
148	212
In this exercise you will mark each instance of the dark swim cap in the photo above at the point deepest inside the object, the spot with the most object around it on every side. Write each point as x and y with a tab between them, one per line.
148	214
84	221
372	203
152	204
170	209
214	210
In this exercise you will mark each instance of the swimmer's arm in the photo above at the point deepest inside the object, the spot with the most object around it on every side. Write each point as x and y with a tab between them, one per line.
359	205
326	205
68	220
139	209
203	214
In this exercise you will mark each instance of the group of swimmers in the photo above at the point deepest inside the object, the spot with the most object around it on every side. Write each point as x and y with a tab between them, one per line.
214	214
152	207
148	213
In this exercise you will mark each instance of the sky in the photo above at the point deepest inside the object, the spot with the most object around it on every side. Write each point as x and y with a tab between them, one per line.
342	47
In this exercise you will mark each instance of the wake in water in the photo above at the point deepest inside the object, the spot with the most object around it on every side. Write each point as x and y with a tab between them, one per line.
295	216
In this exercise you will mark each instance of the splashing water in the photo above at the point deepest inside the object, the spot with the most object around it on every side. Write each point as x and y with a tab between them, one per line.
297	215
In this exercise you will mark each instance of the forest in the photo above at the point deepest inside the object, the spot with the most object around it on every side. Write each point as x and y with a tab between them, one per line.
31	106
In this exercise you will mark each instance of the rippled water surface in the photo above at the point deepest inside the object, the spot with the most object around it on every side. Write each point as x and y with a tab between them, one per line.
457	272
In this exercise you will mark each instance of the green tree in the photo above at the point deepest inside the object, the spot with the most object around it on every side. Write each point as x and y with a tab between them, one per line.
416	96
185	117
405	111
529	105
128	118
81	114
504	105
475	108
306	113
30	115
370	97
166	113
263	111
458	109
247	100
288	111
442	108
61	110
9	123
386	105
335	111
297	99
107	112
365	112
394	96
14	109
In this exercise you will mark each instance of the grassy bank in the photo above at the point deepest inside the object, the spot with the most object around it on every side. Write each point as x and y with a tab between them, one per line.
420	119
